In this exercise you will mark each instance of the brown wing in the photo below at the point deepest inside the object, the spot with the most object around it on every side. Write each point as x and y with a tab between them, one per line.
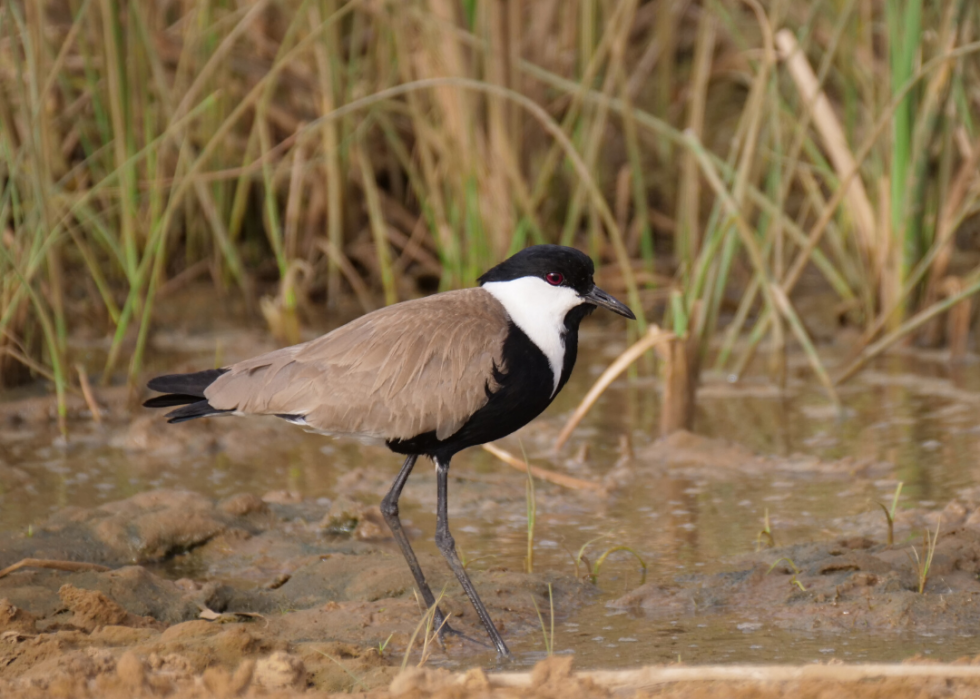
395	373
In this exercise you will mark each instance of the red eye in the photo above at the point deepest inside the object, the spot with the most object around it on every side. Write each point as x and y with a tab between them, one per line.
554	278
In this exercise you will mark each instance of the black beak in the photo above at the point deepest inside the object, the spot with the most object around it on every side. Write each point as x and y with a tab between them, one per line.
599	297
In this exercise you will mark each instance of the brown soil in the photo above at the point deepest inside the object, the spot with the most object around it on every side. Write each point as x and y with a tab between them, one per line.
281	596
317	590
315	597
101	673
838	585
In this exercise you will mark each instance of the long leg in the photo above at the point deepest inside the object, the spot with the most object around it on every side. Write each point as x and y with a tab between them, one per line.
389	510
447	546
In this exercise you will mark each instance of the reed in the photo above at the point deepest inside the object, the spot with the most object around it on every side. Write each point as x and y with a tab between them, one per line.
302	150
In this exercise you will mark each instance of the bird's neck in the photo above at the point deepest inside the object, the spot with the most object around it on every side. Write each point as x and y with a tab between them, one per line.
572	320
542	313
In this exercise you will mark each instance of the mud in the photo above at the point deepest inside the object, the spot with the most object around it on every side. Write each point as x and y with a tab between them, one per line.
249	596
302	589
845	584
246	558
99	673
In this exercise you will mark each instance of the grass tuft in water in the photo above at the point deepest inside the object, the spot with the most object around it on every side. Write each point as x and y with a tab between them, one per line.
549	636
890	513
922	566
532	513
613	549
796	571
765	539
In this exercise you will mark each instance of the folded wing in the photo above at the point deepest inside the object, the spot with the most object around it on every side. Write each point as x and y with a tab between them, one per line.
411	368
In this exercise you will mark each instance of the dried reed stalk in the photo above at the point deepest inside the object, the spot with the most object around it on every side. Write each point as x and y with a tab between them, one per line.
680	358
543	474
655	676
859	206
653	337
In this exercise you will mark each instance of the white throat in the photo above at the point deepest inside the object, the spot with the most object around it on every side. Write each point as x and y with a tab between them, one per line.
539	309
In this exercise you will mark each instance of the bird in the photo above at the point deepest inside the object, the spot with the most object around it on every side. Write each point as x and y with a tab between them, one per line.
425	377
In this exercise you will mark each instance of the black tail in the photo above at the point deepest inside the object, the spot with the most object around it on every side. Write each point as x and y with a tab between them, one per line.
186	390
191	385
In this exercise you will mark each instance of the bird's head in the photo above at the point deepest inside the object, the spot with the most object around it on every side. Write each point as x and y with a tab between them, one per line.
553	277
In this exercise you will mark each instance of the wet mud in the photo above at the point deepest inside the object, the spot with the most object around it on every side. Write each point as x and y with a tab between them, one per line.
301	583
246	558
250	596
841	585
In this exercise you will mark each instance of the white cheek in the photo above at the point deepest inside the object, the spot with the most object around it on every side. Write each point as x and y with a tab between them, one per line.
539	309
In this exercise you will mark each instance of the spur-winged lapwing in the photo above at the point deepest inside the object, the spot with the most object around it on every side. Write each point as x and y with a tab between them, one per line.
428	377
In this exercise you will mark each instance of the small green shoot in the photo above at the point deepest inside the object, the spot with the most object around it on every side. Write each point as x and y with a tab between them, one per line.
581	558
592	571
922	566
614	549
383	645
890	513
532	513
764	538
467	561
549	637
796	571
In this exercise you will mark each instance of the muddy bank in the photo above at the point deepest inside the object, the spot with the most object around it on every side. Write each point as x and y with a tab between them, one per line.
927	582
206	572
840	585
247	596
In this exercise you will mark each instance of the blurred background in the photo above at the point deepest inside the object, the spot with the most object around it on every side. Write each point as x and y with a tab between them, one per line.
745	173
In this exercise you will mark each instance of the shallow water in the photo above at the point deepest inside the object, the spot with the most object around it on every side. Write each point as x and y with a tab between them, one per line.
914	415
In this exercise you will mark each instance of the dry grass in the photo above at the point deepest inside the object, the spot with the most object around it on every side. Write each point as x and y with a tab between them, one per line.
305	149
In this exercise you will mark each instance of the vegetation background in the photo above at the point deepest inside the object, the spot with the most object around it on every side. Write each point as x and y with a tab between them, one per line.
709	154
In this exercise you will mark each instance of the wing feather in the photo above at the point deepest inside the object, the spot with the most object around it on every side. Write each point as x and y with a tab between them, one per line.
410	368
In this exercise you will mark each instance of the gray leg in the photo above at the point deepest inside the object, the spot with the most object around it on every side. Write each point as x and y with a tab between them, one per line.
389	510
447	546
